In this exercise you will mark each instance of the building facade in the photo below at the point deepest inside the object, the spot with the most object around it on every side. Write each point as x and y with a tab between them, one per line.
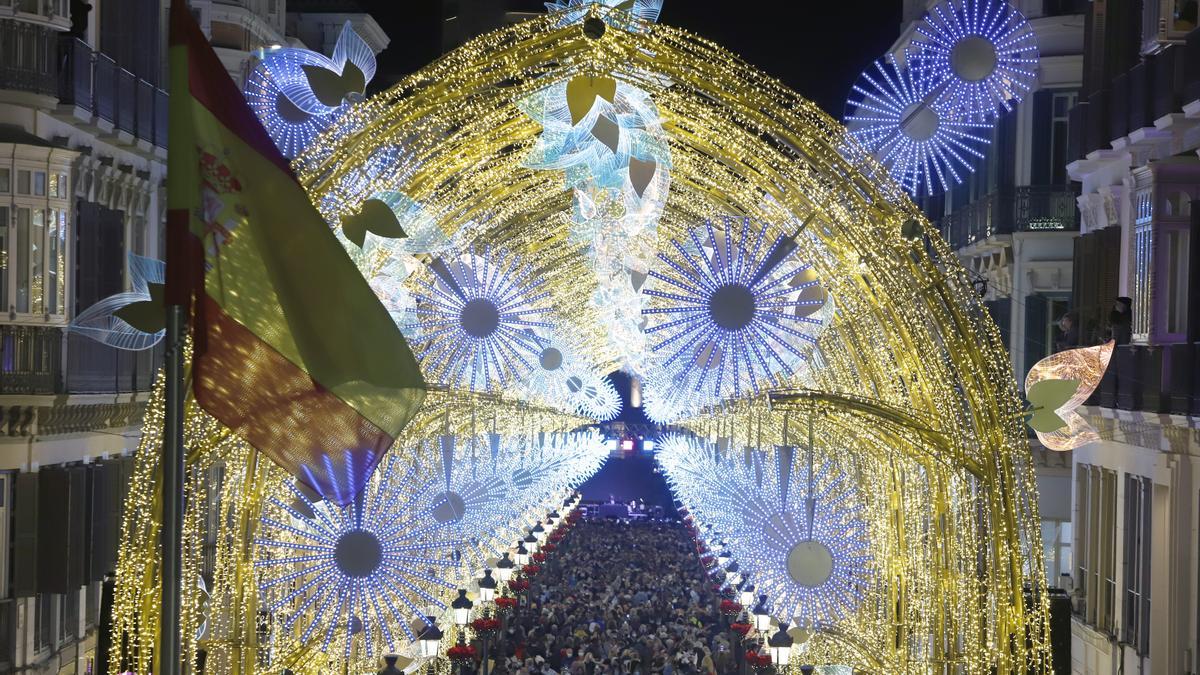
83	122
1135	136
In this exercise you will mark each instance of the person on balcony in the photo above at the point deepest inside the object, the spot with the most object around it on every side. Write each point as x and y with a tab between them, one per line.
1068	334
1120	321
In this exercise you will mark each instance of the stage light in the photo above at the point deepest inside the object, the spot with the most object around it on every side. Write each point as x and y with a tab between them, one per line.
627	444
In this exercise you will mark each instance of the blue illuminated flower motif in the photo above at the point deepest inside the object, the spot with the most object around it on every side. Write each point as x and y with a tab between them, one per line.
100	321
984	51
562	378
730	312
897	115
802	537
365	571
476	323
574	11
297	93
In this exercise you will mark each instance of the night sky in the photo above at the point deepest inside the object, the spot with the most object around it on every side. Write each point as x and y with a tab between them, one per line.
816	48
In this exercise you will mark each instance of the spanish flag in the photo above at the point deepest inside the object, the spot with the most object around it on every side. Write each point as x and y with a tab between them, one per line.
292	350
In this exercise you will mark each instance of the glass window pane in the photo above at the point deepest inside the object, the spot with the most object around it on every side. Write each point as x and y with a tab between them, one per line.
5	180
22	260
4	253
37	267
39	183
54	264
23	182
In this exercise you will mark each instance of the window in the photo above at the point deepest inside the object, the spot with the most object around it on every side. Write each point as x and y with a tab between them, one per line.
5	180
68	616
21	260
1138	494
1143	256
1056	549
56	262
39	183
37	257
43	621
1095	544
4	253
1177	280
60	186
23	182
1060	109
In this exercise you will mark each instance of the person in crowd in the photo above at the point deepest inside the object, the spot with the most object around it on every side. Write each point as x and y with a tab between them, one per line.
1120	321
1068	334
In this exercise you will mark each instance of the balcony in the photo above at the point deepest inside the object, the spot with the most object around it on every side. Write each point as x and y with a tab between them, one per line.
1153	379
31	363
92	85
1023	209
27	58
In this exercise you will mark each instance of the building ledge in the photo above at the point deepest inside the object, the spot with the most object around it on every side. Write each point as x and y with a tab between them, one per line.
1166	432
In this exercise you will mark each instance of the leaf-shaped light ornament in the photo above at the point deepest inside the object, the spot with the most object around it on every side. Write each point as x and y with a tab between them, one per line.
623	14
1056	386
133	320
298	93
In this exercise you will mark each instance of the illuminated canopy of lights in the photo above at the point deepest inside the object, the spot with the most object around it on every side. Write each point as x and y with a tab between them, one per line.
907	378
896	114
984	51
574	11
105	321
729	310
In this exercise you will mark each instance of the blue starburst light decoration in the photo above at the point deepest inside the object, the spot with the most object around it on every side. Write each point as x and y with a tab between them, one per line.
477	321
297	93
362	572
725	310
574	11
982	52
101	321
797	528
897	115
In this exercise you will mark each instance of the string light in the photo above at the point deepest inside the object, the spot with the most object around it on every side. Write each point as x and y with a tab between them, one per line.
101	322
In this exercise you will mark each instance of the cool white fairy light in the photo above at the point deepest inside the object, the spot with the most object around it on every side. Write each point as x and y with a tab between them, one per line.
727	315
799	534
575	10
476	321
984	51
100	321
364	572
895	112
281	91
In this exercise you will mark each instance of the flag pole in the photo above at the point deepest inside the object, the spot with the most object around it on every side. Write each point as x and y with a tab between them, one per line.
172	497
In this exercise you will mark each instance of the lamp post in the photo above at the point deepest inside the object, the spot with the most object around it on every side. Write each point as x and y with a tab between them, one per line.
522	555
462	606
430	640
505	568
538	532
780	645
746	591
531	542
487	586
762	615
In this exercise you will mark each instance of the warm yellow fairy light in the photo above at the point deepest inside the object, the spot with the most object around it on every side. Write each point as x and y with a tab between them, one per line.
920	397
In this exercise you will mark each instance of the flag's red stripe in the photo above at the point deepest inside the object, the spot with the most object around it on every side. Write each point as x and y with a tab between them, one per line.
275	406
211	85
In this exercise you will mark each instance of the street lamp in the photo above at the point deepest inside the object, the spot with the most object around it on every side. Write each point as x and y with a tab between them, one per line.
430	639
462	608
531	542
522	555
734	572
538	532
487	586
724	557
780	645
762	615
505	568
746	591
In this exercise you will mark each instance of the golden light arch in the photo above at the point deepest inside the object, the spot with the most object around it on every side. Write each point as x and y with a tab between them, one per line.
914	391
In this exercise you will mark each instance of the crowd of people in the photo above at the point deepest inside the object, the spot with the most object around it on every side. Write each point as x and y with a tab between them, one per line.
618	598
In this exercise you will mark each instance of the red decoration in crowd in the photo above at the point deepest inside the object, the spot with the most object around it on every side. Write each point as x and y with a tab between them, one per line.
549	548
708	561
518	585
531	570
461	653
730	608
740	628
539	557
505	603
487	625
759	661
